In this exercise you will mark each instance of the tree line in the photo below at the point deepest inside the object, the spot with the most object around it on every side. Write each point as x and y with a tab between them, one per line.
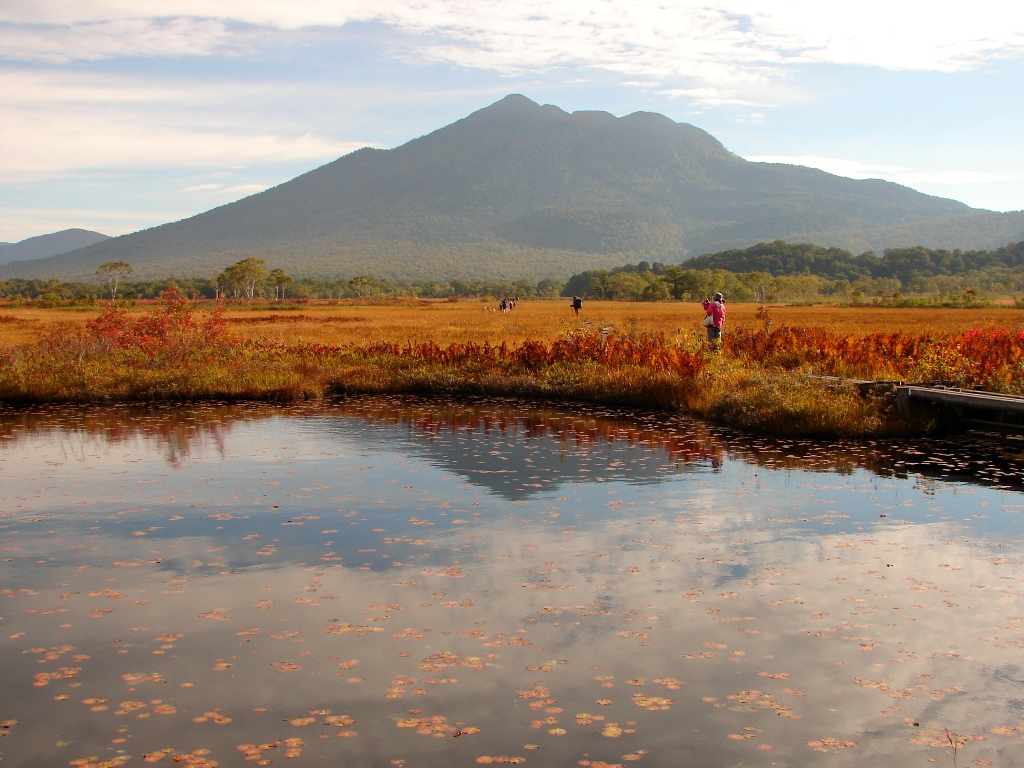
781	271
775	271
250	279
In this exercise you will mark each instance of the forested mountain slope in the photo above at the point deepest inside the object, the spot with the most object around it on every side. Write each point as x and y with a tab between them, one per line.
520	190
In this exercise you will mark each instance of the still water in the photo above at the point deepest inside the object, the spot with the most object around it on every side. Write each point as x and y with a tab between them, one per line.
386	582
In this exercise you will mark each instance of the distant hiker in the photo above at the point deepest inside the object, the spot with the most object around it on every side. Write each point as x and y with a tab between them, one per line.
714	319
577	305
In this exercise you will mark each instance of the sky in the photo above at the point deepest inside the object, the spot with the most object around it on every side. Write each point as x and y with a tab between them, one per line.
117	115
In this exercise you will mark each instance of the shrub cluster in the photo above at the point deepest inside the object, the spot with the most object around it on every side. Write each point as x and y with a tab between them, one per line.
992	359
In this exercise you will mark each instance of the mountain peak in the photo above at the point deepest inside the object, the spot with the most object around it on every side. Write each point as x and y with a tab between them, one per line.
43	246
514	101
523	190
514	108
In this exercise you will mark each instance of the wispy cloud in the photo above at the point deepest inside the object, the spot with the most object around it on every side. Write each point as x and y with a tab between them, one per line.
237	189
56	122
53	145
708	97
900	174
723	42
116	38
202	188
17	223
244	189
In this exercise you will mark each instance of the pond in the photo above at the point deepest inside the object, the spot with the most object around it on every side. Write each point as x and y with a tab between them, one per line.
403	582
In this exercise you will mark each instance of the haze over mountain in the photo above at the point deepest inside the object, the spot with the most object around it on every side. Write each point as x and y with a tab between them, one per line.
41	246
520	190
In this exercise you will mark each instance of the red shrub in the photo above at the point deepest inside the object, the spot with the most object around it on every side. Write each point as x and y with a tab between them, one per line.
172	328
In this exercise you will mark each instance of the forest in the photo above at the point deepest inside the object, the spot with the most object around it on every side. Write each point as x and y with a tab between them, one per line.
805	272
775	271
54	293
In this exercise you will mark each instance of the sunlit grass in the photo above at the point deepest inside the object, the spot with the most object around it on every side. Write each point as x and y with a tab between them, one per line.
352	322
613	355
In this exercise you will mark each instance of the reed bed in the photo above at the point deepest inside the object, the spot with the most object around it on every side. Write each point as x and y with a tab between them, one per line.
355	322
758	381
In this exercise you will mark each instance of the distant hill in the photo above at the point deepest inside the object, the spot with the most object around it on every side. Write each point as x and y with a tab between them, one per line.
520	190
780	258
42	246
781	271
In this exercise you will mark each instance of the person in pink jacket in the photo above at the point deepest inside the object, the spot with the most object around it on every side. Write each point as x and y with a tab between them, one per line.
715	309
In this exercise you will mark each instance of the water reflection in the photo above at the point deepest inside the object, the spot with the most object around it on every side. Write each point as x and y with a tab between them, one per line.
453	435
398	582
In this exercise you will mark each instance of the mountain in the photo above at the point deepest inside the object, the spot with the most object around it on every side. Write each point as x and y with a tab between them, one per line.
520	190
41	246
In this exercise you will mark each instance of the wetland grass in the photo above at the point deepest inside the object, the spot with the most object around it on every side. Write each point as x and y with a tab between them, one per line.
759	382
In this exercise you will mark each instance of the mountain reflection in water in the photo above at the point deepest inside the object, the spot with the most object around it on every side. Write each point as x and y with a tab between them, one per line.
543	447
406	582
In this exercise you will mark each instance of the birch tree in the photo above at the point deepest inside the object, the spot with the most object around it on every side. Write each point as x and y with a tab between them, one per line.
113	272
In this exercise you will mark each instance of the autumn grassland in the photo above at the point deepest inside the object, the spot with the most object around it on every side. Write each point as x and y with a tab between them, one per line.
625	353
445	322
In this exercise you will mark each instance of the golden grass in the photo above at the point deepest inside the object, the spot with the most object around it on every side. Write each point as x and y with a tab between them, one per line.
544	320
640	355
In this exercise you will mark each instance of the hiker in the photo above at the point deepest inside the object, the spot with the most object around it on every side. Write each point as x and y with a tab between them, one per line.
714	319
577	305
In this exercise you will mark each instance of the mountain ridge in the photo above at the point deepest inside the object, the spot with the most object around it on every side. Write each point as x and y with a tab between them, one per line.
521	190
52	244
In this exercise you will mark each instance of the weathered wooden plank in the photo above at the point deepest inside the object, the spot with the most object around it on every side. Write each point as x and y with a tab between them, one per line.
990	401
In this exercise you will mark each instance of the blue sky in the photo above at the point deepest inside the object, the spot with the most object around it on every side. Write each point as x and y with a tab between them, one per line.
117	115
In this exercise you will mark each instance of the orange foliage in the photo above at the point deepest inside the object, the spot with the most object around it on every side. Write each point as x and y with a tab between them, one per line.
993	359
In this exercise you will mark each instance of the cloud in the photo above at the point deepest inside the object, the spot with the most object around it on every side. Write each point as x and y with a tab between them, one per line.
954	177
61	122
117	38
53	144
900	174
202	188
728	42
244	189
18	223
708	97
238	189
851	168
291	15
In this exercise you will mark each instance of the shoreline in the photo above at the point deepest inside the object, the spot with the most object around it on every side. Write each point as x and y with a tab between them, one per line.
783	404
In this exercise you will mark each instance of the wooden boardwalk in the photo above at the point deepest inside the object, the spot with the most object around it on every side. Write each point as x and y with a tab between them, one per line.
979	409
970	398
